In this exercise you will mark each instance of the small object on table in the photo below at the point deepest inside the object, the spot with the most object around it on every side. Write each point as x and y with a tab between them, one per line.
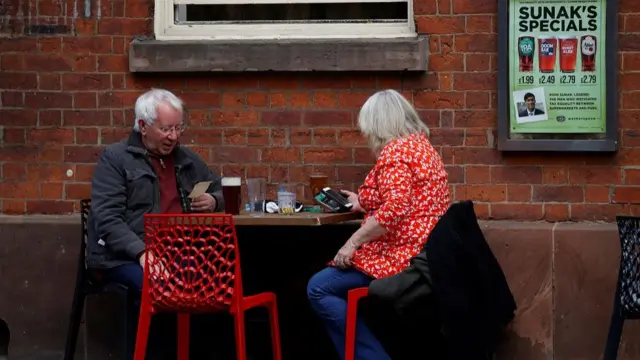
312	208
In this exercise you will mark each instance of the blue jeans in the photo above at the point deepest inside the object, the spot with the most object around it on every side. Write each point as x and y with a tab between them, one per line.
327	292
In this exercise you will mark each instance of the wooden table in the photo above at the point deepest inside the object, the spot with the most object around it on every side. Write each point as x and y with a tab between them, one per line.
297	219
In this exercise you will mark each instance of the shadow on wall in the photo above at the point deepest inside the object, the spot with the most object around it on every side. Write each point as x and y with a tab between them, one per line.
5	336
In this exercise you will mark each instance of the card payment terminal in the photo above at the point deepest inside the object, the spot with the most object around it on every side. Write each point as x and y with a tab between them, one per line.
333	200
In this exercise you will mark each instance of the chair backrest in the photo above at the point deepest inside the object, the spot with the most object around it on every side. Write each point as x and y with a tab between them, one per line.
85	208
629	275
194	262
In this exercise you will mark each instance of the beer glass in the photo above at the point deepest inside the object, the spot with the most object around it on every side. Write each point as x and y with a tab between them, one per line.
256	195
317	182
231	187
588	45
286	199
548	46
568	53
526	49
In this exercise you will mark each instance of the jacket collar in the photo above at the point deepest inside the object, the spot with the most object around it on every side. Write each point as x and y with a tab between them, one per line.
136	146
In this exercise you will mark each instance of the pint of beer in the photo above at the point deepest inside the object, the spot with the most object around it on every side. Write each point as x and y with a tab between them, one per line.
588	44
547	54
231	187
526	49
568	53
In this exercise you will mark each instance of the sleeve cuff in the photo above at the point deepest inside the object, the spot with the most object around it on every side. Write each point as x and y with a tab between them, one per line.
135	249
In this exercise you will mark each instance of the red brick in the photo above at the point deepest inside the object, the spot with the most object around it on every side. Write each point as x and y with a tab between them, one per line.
51	190
446	62
48	172
327	155
234	99
50	44
516	175
324	136
475	81
449	137
55	136
440	24
514	211
258	136
556	212
138	9
232	137
482	193
300	100
21	44
281	155
475	6
49	81
519	193
18	81
281	118
13	136
123	26
328	118
87	45
49	207
594	175
352	100
562	193
13	171
439	100
48	100
20	190
113	63
300	136
77	191
82	154
478	24
481	43
325	99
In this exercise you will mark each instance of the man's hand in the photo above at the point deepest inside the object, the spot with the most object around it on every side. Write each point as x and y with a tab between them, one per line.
204	203
157	267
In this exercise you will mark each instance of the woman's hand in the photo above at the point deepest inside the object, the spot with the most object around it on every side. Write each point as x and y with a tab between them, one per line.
353	198
343	257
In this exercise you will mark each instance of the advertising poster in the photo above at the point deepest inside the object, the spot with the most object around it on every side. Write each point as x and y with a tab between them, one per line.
557	66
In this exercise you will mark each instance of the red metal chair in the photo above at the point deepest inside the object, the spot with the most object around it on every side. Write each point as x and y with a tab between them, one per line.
195	268
353	298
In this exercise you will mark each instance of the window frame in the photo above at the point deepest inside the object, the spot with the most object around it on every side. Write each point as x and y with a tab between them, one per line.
165	27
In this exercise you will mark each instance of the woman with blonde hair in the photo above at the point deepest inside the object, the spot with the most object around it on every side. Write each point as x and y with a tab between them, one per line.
403	196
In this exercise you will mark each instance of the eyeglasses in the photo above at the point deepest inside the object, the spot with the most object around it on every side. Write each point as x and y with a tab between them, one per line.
166	130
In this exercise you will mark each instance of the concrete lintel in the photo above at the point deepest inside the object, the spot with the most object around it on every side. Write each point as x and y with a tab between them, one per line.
406	54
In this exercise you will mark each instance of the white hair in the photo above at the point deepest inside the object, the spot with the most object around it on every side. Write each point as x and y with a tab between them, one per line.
386	116
147	106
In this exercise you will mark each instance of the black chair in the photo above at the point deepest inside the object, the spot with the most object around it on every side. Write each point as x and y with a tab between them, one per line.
626	303
87	283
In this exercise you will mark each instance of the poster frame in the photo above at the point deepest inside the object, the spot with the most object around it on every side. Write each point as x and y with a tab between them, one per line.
558	142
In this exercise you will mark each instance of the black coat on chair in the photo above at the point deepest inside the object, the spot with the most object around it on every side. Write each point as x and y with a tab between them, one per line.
458	270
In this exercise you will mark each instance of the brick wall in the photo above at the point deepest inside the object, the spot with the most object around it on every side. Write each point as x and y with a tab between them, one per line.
64	97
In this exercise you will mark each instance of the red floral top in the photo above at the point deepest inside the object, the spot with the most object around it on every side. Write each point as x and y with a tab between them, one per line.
407	192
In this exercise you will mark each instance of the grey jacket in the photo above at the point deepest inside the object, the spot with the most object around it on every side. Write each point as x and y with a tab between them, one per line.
124	188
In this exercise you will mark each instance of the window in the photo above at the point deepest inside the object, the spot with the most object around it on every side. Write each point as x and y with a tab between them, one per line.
282	19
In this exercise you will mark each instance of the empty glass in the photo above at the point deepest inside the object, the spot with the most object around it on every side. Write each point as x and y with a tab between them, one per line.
286	199
256	194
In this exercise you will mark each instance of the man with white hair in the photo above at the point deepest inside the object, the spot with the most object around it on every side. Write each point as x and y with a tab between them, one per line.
150	172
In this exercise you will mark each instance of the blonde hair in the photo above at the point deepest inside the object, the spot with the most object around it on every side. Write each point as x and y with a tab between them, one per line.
387	116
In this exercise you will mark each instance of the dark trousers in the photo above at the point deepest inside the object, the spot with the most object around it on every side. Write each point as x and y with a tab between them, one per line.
211	334
162	334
